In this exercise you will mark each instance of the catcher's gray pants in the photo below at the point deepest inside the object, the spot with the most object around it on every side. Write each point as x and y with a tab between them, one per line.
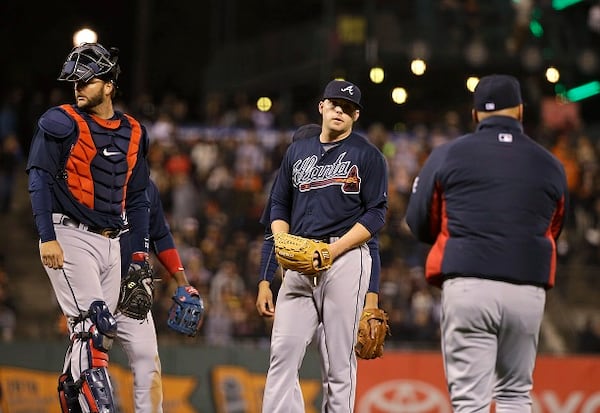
91	272
490	335
337	302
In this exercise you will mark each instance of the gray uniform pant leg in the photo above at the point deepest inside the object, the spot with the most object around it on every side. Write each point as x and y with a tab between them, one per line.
341	296
294	326
139	341
91	272
490	333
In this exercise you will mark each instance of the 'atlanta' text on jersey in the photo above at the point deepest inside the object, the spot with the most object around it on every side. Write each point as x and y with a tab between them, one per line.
307	175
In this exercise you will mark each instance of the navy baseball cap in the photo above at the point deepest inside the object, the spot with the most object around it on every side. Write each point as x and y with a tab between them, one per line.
342	89
497	92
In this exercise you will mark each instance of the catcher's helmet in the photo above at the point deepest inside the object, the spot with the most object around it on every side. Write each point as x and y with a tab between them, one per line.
89	60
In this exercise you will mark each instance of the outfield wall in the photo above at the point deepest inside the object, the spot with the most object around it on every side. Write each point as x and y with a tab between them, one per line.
201	379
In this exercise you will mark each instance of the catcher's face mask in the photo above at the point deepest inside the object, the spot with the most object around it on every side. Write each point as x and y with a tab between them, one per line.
90	60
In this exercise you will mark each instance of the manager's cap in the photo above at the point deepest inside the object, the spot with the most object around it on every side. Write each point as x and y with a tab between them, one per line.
342	89
497	92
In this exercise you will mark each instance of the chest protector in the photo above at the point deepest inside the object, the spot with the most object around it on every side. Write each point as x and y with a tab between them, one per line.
101	160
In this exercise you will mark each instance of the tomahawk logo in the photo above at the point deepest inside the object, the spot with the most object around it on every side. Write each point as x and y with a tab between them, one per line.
349	89
307	175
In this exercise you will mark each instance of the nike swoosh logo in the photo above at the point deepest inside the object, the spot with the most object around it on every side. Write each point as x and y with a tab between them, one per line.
105	152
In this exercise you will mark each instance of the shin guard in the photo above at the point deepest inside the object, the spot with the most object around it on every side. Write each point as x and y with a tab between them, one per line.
68	394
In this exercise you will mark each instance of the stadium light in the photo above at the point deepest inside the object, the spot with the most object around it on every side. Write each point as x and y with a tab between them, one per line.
535	25
399	95
377	74
563	4
552	74
583	92
84	35
418	67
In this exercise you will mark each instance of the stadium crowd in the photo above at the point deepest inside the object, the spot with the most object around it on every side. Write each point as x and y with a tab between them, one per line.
214	169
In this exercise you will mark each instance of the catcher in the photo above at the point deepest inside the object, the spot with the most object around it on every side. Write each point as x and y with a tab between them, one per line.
136	329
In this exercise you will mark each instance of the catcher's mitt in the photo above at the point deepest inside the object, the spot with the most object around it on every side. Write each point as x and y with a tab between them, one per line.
137	287
371	335
187	311
298	253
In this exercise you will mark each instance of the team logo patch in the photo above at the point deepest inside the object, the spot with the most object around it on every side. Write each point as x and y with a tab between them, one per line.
505	137
349	89
307	175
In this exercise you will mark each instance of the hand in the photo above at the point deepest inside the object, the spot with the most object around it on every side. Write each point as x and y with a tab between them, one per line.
264	300
52	255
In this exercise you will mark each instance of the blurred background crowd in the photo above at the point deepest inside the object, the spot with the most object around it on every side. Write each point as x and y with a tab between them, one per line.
192	73
214	181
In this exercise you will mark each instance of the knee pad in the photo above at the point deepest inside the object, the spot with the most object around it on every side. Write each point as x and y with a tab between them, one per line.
96	390
68	394
100	335
104	326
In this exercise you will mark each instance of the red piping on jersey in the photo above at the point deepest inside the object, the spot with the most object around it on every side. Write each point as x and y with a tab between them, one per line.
551	234
439	226
78	165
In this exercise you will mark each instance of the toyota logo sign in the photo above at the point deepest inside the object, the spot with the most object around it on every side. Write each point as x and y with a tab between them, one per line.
404	396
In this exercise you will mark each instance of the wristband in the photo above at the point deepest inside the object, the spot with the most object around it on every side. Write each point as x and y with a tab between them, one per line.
139	256
170	260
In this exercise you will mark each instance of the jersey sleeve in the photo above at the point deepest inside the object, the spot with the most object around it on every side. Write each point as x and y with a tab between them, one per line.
423	213
161	238
374	193
281	193
137	203
373	245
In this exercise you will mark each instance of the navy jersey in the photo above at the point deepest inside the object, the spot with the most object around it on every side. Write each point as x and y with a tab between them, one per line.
492	203
161	238
269	264
89	169
323	193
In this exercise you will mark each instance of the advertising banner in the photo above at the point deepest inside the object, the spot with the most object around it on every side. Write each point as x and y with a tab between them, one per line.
225	381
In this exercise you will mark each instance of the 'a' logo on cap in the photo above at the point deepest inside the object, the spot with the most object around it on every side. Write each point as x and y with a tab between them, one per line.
349	89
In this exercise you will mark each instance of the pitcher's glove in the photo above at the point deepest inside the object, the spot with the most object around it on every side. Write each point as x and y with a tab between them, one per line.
187	311
137	288
373	328
297	253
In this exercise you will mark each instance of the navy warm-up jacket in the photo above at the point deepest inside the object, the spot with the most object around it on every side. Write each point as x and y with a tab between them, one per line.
492	203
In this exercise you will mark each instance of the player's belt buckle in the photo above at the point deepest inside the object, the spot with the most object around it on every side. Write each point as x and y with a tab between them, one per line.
327	240
108	232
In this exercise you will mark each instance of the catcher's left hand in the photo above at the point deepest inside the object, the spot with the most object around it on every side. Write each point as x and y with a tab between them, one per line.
187	311
304	255
137	288
373	328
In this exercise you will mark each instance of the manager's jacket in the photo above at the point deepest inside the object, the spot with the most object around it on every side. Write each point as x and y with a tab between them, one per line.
492	203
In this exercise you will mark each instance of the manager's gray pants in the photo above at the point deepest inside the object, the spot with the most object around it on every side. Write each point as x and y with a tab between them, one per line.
490	333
